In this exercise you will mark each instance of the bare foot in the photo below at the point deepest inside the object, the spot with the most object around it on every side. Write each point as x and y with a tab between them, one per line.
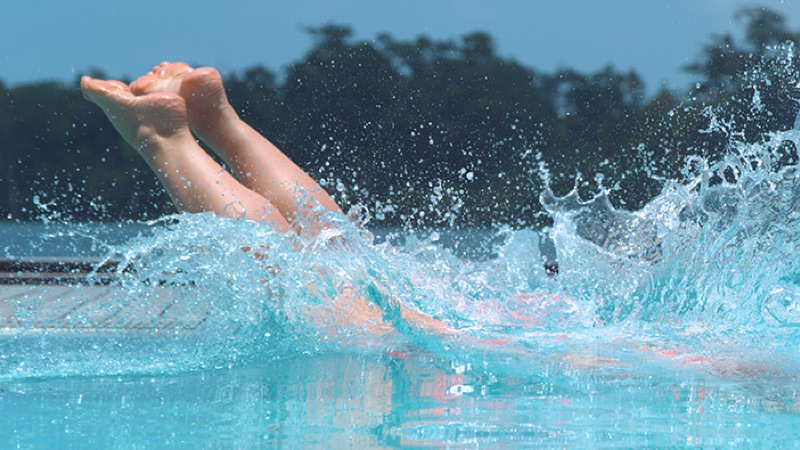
200	88
139	120
157	125
257	163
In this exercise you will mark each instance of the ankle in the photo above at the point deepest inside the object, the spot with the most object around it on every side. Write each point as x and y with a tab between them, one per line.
228	115
222	129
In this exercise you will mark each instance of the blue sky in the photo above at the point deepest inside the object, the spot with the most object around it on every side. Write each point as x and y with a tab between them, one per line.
54	39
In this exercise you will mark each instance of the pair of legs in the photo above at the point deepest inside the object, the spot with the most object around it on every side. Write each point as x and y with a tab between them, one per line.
160	113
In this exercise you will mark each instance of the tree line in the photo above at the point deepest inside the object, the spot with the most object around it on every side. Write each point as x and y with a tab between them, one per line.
422	132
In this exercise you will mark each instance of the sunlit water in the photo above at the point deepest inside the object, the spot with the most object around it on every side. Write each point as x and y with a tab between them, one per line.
678	324
248	379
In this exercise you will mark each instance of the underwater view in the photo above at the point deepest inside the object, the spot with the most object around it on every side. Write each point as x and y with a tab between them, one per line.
504	292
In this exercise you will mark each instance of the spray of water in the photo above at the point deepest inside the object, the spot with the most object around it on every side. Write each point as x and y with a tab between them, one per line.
714	257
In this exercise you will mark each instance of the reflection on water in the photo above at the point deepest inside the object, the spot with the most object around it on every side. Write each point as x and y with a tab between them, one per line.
359	401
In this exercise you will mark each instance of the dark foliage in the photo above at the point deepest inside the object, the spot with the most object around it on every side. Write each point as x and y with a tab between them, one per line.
435	133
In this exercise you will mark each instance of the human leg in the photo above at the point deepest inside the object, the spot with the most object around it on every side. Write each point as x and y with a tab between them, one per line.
156	125
257	162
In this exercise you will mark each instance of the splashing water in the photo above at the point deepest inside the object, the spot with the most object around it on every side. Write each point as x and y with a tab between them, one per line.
702	262
710	266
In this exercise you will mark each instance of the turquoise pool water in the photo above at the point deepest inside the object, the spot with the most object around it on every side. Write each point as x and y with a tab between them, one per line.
377	401
536	361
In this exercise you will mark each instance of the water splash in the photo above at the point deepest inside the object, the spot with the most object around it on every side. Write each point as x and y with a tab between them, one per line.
713	258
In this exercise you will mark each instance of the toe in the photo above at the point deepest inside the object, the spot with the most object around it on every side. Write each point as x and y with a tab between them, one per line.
118	85
94	90
141	85
85	81
93	87
203	75
105	90
177	69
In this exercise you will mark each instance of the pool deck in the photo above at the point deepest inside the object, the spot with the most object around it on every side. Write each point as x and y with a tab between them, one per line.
55	270
58	296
